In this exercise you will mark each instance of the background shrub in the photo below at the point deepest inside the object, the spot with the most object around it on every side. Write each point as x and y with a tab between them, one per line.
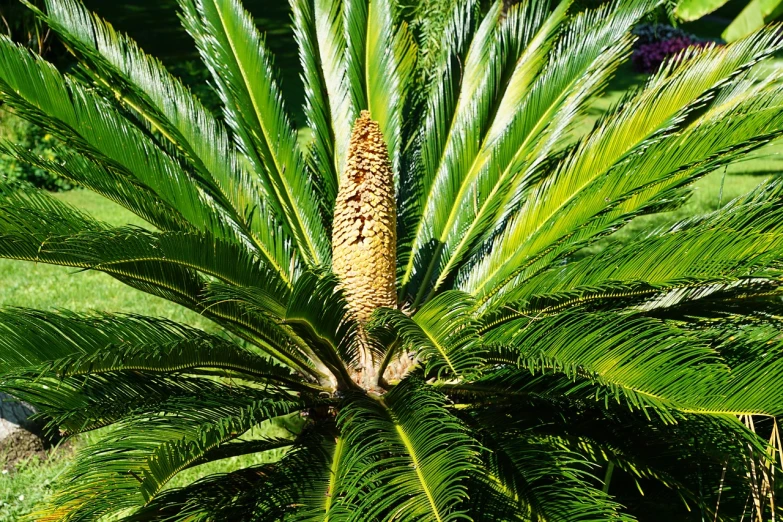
657	42
36	140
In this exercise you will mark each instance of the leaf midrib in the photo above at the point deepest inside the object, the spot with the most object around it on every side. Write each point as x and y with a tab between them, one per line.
313	254
415	459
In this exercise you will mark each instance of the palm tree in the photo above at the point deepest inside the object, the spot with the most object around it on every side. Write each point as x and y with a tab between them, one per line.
407	290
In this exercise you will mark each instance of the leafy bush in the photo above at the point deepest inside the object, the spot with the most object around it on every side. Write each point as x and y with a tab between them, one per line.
655	33
38	142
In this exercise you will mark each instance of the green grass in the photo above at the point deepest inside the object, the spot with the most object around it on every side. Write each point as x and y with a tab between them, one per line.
29	483
50	287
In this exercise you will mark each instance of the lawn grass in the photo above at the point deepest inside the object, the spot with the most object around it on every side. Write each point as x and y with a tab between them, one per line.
26	485
37	285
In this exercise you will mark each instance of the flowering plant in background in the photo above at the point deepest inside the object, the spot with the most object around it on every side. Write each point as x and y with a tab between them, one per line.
657	42
649	57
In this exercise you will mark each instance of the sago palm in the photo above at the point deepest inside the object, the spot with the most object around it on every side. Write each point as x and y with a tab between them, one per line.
408	289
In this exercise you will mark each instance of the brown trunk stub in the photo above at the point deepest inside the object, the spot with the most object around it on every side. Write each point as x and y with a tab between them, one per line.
364	232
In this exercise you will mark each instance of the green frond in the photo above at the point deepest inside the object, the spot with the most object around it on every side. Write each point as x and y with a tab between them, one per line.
648	363
228	496
438	104
36	227
491	502
144	86
86	371
529	33
222	260
263	314
187	355
70	344
240	448
479	165
434	26
295	488
140	455
110	183
317	312
313	470
381	56
451	126
76	405
549	481
33	232
580	189
442	334
241	67
405	455
170	458
736	243
319	30
673	453
79	116
582	429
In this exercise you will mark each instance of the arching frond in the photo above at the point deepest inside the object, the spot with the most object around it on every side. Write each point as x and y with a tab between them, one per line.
69	344
296	489
77	115
590	433
470	191
410	456
437	106
318	313
144	86
380	60
442	334
548	480
241	67
680	371
734	244
113	184
573	190
142	454
319	30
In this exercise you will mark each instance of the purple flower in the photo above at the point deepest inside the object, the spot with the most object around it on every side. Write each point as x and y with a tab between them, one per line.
648	58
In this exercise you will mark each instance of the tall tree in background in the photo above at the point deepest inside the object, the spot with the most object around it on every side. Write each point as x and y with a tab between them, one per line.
408	290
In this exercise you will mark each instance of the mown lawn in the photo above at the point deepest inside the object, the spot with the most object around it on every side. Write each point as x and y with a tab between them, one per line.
48	287
45	286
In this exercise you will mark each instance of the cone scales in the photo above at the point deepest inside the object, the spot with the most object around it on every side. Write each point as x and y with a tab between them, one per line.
364	233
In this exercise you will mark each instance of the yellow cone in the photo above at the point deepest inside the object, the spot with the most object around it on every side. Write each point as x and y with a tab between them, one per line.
364	233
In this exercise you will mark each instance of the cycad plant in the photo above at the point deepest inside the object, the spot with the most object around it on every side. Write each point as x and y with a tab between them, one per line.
407	290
